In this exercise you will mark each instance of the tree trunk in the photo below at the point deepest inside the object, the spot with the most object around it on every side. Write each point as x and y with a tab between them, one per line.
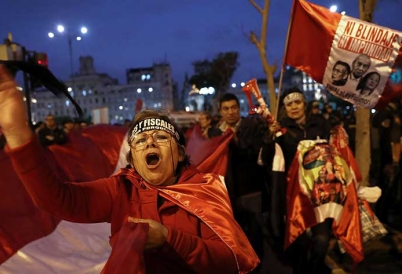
261	47
363	144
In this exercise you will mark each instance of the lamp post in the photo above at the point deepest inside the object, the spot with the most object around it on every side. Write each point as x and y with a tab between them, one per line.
70	37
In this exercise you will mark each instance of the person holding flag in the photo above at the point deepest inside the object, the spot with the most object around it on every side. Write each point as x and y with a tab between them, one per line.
302	127
166	216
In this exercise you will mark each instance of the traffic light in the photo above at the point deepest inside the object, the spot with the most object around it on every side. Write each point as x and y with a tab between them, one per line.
39	58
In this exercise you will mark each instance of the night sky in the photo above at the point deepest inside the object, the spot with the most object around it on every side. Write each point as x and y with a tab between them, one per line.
135	33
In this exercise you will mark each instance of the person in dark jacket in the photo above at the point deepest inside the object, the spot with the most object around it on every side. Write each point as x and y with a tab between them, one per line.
302	127
208	131
51	134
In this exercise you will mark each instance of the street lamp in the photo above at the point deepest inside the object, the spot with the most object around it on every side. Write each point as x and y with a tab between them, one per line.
70	37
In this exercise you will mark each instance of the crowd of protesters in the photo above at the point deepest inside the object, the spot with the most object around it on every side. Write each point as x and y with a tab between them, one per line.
249	167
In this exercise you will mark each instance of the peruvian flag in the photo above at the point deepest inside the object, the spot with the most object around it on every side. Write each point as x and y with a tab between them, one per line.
32	241
356	61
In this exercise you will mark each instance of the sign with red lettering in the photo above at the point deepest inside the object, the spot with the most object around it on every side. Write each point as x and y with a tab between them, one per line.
360	61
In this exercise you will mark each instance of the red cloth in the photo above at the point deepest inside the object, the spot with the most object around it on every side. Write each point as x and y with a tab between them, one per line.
209	155
312	30
88	155
191	244
127	250
301	212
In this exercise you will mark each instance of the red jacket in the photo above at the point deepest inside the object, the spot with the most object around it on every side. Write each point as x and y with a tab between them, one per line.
203	236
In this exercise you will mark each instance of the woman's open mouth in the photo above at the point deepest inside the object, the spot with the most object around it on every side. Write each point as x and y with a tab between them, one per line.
152	160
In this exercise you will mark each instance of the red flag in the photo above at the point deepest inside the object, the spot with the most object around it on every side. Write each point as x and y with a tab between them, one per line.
209	155
36	242
355	60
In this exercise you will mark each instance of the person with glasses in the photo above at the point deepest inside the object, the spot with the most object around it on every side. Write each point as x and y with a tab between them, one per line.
166	216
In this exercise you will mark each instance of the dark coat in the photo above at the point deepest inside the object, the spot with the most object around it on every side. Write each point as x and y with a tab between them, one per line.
315	127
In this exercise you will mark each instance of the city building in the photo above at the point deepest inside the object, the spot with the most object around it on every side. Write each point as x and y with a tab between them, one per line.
292	77
149	88
312	90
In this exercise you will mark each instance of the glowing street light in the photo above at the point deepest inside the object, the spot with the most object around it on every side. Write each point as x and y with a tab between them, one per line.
70	37
333	8
60	28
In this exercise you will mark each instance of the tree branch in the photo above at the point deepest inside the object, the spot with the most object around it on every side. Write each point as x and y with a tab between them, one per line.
264	24
253	38
255	5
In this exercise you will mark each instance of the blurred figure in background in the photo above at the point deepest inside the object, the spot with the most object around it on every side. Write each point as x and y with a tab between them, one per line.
313	108
207	130
386	150
68	126
51	134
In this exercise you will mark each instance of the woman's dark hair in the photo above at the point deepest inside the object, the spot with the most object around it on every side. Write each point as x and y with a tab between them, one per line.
289	91
181	144
362	83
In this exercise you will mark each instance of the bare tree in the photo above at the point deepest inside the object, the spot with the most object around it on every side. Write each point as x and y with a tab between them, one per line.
262	49
363	154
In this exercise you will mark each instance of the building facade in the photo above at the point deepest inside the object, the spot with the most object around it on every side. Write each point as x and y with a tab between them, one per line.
149	88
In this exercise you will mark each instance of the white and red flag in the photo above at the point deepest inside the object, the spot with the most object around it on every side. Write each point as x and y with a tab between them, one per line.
356	61
32	241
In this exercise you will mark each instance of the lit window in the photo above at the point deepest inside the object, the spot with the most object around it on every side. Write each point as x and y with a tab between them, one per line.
125	99
84	93
67	103
143	77
148	76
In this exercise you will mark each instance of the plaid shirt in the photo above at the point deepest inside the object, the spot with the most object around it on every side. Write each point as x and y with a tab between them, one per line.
371	227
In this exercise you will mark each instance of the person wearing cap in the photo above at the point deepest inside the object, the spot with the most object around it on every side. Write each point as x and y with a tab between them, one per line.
164	213
300	127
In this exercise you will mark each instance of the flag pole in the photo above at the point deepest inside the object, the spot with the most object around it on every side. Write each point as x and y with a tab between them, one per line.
284	58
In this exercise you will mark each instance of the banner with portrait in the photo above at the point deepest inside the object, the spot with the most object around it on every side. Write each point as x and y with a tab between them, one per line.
361	61
355	60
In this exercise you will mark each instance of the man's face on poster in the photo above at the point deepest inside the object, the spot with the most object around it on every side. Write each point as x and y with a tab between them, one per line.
360	65
339	73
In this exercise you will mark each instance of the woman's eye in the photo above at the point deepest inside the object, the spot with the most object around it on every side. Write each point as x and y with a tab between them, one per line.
140	141
161	137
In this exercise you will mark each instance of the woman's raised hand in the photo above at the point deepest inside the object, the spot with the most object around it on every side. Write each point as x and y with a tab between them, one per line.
13	115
